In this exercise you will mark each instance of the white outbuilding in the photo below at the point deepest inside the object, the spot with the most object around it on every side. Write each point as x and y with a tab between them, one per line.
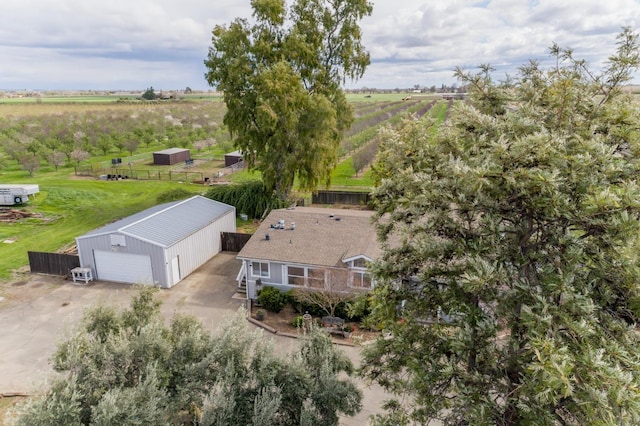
160	245
13	194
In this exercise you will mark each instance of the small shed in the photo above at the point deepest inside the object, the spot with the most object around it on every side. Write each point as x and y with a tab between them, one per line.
232	158
171	156
160	245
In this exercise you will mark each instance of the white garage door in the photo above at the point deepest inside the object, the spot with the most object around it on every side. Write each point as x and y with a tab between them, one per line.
123	267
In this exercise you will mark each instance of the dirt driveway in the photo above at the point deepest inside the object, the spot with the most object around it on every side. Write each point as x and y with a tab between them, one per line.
36	311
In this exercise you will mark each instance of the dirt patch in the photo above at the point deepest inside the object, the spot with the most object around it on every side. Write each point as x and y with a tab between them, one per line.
27	287
6	404
283	322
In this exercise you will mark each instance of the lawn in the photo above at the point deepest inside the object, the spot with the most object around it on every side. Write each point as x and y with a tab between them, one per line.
67	208
344	175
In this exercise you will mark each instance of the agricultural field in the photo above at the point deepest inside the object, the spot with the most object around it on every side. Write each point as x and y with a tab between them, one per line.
70	148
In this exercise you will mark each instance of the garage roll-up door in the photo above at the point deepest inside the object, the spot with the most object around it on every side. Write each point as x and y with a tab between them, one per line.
123	267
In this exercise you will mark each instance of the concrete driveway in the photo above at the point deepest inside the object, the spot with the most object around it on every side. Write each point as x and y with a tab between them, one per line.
36	313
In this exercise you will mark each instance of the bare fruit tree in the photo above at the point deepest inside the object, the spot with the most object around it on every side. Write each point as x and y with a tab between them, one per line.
327	289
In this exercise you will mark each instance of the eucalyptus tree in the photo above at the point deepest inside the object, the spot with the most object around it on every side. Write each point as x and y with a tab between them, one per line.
280	76
510	279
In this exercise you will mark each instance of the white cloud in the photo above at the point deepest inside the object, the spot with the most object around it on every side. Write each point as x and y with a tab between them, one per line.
99	44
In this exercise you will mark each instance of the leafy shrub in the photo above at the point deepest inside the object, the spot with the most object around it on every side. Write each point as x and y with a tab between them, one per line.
250	197
342	310
303	307
298	322
359	308
272	299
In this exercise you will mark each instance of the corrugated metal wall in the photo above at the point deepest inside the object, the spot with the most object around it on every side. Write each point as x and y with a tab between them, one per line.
199	247
133	245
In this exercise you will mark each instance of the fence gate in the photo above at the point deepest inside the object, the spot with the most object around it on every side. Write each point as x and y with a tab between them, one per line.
52	263
234	241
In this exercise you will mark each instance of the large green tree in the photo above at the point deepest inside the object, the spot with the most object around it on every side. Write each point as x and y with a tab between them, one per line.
128	367
281	77
510	279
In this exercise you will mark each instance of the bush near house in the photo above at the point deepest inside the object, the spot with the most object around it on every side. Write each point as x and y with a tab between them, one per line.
272	299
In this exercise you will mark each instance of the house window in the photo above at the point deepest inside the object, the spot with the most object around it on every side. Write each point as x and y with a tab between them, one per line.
315	278
305	277
360	263
295	275
260	269
360	279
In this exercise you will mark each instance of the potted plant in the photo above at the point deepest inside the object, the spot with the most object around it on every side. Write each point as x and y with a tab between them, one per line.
260	314
347	330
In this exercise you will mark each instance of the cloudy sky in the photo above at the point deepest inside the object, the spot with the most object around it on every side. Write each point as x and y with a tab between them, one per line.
134	44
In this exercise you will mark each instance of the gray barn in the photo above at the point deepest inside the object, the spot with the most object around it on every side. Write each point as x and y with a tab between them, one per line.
232	158
160	245
170	156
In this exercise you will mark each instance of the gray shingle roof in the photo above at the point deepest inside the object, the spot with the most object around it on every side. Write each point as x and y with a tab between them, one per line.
166	224
318	239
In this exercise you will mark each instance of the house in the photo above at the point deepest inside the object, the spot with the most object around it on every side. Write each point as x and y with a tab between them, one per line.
160	245
310	247
168	157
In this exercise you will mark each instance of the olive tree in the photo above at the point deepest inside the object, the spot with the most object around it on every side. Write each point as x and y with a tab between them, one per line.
280	77
510	275
129	367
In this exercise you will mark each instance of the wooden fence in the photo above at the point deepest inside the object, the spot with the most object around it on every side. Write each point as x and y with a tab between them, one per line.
52	263
341	197
234	241
62	264
119	174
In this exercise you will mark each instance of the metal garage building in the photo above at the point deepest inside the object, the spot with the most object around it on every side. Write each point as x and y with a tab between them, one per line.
160	245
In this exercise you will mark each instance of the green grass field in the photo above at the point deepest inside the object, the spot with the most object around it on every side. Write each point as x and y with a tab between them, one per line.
69	208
